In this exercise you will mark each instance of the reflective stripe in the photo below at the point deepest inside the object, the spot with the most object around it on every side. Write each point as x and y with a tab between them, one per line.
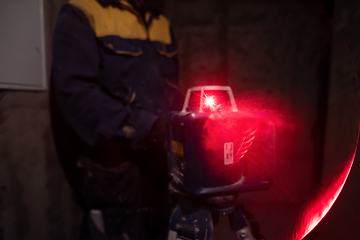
167	54
123	52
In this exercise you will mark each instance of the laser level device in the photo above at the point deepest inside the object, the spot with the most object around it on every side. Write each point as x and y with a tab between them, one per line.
216	151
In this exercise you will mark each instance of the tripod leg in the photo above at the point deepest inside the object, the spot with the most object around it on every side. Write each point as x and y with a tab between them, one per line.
239	225
190	221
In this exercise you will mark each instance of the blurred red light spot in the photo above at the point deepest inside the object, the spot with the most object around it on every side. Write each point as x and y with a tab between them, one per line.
210	102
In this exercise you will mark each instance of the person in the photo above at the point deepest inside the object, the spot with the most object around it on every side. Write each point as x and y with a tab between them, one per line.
114	80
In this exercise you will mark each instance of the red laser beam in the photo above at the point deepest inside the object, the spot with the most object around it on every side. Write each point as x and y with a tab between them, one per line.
316	211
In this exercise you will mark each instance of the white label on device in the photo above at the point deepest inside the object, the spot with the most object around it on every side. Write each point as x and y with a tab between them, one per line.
228	153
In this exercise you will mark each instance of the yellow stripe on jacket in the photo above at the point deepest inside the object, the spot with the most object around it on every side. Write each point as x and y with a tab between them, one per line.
111	20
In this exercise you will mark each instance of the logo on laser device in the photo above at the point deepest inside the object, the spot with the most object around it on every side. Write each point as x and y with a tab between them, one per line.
228	153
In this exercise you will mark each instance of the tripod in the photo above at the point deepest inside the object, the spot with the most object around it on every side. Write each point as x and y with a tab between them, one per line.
192	218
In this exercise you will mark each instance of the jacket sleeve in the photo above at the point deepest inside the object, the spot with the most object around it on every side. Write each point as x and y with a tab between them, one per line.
90	111
178	91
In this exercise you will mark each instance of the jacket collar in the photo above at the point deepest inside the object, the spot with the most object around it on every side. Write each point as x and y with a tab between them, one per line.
105	2
127	4
120	3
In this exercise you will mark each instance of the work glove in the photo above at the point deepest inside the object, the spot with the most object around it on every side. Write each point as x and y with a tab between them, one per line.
157	139
157	154
112	151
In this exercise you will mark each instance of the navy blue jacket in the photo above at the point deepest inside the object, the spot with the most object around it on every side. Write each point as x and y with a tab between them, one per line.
114	72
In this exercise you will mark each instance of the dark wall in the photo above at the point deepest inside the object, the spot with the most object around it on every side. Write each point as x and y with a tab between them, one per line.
36	201
342	221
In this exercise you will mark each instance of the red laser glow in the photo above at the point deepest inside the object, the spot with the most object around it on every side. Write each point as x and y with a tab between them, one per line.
210	102
311	212
219	128
245	144
244	133
322	204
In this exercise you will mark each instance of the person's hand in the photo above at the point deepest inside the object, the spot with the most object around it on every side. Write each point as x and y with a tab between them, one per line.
158	135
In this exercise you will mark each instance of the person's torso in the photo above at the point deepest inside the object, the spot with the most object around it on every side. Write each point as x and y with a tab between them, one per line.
136	55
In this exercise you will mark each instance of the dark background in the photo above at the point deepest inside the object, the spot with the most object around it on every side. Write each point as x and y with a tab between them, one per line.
284	56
